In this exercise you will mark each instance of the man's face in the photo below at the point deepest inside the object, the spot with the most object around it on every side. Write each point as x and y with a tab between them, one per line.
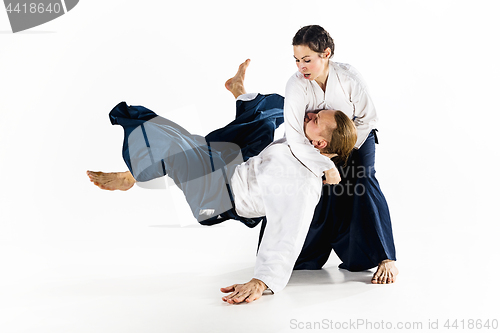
318	125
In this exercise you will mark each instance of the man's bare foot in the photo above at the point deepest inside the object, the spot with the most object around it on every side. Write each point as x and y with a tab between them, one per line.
386	272
235	84
112	180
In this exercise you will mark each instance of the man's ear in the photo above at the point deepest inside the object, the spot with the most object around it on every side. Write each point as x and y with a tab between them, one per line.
320	144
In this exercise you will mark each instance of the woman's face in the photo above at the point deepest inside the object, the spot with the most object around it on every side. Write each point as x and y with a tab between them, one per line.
311	64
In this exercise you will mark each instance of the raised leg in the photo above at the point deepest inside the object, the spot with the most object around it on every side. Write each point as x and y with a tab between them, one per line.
235	84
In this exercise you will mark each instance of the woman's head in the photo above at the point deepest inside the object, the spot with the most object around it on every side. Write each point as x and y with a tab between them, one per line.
312	48
315	38
332	132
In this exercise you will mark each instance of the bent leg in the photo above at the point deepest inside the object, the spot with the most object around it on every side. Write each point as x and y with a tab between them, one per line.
252	130
330	221
236	84
370	240
352	218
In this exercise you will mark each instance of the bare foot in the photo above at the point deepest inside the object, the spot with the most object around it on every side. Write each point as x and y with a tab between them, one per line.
386	272
235	84
111	181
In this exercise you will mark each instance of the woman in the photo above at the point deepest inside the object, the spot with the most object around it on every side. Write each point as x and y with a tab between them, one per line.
218	187
352	217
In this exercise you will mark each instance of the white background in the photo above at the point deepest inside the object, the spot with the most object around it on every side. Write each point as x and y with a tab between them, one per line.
74	258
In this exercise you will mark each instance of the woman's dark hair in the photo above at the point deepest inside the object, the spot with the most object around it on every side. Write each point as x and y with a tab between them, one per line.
314	37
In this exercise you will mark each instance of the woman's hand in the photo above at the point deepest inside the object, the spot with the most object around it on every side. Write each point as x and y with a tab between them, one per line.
248	292
332	177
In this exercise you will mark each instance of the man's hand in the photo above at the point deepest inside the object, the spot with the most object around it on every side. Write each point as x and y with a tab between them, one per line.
332	177
248	292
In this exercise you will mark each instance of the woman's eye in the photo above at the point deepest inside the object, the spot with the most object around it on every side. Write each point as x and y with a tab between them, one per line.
307	60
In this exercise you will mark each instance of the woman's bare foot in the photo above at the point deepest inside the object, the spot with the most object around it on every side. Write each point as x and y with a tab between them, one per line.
112	180
386	272
235	84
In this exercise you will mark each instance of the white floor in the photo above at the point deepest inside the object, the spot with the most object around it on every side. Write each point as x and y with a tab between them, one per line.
75	259
123	271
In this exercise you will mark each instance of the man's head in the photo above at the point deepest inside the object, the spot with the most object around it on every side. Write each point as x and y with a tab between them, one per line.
332	132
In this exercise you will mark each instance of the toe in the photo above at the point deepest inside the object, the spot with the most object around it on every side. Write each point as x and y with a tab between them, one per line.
244	66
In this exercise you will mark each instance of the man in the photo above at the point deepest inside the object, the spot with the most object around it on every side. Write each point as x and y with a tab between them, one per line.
217	187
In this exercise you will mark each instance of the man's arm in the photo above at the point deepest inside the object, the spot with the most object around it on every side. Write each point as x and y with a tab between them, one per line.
290	194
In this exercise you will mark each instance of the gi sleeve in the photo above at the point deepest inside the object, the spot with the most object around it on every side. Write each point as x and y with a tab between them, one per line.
294	113
289	203
365	115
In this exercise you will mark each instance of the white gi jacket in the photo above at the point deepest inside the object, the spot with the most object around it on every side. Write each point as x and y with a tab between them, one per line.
345	91
275	184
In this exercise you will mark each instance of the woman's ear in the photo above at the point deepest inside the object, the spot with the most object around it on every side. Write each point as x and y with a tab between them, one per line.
327	53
